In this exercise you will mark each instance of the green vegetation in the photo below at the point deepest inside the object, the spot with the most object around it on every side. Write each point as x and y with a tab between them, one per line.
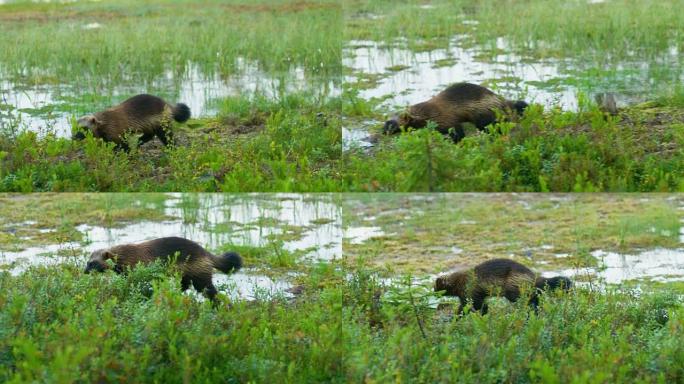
616	46
142	40
535	28
59	325
583	336
640	150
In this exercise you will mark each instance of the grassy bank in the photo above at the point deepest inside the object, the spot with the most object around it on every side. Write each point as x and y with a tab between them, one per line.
258	75
111	328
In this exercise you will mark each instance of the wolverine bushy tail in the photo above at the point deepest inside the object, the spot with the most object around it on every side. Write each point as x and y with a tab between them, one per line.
228	262
181	113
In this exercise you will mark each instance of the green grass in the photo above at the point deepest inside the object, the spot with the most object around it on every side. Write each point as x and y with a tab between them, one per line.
341	329
140	40
284	138
555	28
580	337
617	46
59	325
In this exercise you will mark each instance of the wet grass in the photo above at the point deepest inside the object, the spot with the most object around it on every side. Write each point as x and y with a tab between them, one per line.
142	40
432	233
254	144
540	29
583	336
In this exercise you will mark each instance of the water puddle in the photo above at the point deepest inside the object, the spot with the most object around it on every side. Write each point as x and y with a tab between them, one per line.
661	265
250	286
51	108
213	220
408	77
357	235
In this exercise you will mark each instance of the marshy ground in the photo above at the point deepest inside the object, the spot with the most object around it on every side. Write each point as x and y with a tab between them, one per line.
556	55
598	238
279	236
262	80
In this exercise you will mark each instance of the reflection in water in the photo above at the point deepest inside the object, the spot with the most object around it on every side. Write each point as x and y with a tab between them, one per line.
430	72
213	220
662	265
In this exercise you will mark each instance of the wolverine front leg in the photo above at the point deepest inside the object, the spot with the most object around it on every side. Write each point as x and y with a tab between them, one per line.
165	136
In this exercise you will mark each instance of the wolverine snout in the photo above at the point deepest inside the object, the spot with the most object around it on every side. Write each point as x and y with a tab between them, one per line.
93	267
391	126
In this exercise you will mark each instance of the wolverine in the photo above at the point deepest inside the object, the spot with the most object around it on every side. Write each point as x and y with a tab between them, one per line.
146	114
497	277
458	104
195	263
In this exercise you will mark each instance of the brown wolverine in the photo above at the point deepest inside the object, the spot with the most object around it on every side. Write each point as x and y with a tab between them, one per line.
459	103
146	114
497	277
196	263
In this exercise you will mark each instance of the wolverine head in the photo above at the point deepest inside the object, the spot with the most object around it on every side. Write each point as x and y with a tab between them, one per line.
561	282
441	284
98	261
403	119
90	123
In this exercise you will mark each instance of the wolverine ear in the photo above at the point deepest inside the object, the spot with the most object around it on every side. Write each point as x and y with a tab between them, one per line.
89	122
84	122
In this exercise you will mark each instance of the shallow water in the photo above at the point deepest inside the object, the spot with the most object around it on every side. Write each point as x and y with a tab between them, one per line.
203	218
50	108
661	264
358	235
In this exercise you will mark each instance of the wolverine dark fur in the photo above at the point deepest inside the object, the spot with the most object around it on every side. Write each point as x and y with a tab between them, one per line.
146	114
503	277
459	103
196	264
